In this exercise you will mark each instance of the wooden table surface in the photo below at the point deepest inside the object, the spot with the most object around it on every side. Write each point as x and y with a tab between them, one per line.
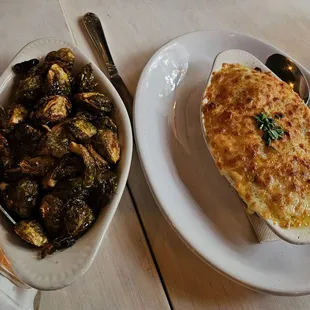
147	266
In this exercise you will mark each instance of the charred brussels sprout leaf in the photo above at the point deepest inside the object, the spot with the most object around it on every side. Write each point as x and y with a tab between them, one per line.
51	211
68	167
95	102
18	114
90	117
25	66
81	129
78	217
5	155
5	162
56	142
109	180
38	166
72	188
64	56
23	140
26	133
107	144
85	81
4	119
53	109
31	232
106	122
29	88
89	162
100	162
12	175
57	244
58	81
4	194
102	194
22	197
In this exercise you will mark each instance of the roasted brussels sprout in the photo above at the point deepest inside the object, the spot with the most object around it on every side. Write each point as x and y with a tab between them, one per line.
22	197
4	146
29	88
31	232
12	175
106	122
85	81
18	114
4	119
56	142
3	194
95	102
57	244
72	188
100	162
52	211
107	144
78	217
63	56
5	163
58	81
69	167
81	129
23	140
25	66
89	162
104	191
53	109
5	155
26	133
90	117
38	166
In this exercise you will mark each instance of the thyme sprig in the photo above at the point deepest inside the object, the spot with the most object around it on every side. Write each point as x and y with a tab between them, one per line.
271	130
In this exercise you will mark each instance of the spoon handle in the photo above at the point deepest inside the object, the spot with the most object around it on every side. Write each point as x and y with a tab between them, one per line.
94	28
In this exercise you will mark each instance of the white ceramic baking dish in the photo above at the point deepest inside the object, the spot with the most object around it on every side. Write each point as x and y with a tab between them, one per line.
292	235
62	268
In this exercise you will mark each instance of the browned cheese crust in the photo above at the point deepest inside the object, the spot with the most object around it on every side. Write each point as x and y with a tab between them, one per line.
274	180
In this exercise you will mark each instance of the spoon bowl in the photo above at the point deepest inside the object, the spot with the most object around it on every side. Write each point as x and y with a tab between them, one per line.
288	72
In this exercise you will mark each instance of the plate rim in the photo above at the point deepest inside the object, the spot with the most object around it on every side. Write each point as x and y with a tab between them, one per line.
229	275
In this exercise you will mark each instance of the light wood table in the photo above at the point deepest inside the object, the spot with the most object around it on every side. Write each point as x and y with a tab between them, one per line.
148	267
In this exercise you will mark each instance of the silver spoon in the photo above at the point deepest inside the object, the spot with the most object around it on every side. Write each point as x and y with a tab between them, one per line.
7	215
287	71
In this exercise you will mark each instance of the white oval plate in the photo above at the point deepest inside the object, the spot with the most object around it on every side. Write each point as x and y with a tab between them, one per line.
198	202
293	235
62	268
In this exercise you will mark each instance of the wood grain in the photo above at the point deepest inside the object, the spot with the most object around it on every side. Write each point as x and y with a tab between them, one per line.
135	30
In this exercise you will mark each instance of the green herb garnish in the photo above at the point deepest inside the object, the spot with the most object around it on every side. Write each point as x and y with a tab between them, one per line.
270	128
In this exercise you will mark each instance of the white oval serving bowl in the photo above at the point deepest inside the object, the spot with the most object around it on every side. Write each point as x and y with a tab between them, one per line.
292	235
62	268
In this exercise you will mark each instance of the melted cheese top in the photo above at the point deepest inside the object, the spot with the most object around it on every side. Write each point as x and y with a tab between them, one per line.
274	180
